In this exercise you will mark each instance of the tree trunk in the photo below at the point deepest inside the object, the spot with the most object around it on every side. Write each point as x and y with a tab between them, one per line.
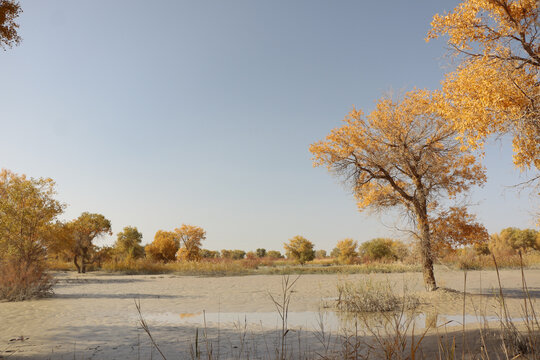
427	255
76	264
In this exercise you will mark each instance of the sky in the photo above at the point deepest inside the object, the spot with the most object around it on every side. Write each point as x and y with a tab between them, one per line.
156	114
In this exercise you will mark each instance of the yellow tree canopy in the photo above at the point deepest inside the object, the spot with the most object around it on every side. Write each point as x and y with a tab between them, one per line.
398	154
190	238
402	154
495	89
164	246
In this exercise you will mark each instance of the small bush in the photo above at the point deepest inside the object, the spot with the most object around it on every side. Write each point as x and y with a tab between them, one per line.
20	281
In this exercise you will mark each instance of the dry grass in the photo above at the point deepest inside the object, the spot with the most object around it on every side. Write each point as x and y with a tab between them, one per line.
19	281
366	296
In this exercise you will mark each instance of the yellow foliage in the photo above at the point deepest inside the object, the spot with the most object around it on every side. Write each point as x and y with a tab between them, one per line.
347	250
164	246
495	89
403	153
190	237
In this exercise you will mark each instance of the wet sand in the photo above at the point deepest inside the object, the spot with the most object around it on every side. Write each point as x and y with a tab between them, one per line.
93	316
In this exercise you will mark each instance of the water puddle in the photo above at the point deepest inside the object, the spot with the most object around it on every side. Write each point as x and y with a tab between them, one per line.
309	320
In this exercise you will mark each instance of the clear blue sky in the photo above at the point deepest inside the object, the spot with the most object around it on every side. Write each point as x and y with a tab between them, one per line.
201	112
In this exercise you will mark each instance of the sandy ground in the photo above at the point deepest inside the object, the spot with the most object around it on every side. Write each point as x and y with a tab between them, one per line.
93	316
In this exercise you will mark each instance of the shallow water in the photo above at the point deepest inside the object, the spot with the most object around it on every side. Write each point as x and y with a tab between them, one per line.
311	320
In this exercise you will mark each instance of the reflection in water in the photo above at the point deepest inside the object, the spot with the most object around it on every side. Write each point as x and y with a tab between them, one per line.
310	320
189	315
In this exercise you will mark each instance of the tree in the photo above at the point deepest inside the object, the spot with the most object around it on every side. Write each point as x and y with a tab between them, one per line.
300	249
233	254
347	250
164	246
9	11
403	154
511	239
209	254
190	238
128	243
274	254
260	252
27	210
378	249
495	89
320	254
85	229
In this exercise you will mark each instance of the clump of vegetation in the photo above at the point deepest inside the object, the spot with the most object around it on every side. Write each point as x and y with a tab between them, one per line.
233	254
27	210
368	296
164	246
128	243
21	281
300	249
382	249
346	251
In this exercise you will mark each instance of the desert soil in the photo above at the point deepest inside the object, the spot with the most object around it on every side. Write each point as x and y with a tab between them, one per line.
93	316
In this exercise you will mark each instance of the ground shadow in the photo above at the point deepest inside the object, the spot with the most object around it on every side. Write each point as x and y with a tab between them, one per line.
116	296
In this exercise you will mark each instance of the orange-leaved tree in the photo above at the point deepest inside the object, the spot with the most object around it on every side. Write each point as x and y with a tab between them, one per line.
164	246
403	154
455	227
190	238
495	88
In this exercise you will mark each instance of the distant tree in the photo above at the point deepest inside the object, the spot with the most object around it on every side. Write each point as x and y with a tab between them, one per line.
511	239
347	250
377	249
9	11
103	254
190	238
233	254
128	243
260	252
404	155
209	254
251	255
274	254
300	249
164	246
320	254
85	229
334	253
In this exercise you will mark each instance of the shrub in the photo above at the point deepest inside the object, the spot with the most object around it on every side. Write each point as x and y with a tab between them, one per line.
300	249
368	296
21	281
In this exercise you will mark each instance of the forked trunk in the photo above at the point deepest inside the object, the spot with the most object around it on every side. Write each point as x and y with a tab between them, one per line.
427	256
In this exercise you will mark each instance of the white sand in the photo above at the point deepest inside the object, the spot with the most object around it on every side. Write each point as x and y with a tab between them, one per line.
94	316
